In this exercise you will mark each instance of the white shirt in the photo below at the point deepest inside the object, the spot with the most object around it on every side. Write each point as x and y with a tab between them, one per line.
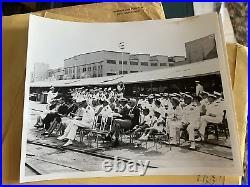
158	123
146	120
199	89
215	109
191	113
106	111
88	115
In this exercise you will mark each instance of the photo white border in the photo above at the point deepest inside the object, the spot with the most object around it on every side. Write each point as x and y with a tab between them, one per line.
227	90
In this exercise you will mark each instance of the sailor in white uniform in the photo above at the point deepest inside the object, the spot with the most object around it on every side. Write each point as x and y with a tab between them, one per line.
214	114
87	121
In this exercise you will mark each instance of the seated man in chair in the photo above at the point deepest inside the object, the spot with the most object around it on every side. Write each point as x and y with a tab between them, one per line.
214	114
157	125
128	122
87	120
191	118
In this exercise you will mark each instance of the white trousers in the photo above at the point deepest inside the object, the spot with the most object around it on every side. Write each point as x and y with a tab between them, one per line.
173	126
191	127
70	131
208	119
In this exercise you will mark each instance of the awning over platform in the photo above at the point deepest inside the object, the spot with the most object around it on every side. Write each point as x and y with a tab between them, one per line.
182	71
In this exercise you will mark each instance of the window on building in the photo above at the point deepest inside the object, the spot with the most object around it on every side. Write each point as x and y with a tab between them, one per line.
89	68
124	72
83	69
100	67
154	64
111	61
78	70
94	68
124	62
163	64
133	63
133	71
144	63
99	75
110	74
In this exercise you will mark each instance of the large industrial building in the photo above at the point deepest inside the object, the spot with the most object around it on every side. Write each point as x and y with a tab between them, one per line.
40	72
201	49
107	63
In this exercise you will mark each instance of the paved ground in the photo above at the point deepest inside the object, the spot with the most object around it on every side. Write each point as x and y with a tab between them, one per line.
52	160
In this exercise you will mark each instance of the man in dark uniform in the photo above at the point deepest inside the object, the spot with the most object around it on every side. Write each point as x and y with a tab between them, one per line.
128	122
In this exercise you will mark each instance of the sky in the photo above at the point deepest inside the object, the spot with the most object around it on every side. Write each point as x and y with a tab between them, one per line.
51	41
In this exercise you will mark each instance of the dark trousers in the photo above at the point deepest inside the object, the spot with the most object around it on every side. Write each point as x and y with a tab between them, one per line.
49	118
120	124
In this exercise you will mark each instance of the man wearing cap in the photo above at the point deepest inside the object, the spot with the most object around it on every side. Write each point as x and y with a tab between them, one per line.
87	120
127	123
51	94
106	110
214	114
157	125
191	119
123	108
162	110
199	88
174	119
219	97
150	105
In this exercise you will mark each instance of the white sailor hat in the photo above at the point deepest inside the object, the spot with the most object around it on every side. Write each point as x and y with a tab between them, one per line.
197	81
172	94
165	94
123	99
178	95
182	93
109	89
203	92
150	96
217	93
157	95
211	95
188	96
175	99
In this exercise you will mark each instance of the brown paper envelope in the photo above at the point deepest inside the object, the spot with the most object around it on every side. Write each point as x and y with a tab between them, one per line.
109	12
113	180
240	92
232	50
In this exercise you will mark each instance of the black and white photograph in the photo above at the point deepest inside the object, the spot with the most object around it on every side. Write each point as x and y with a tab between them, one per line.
127	99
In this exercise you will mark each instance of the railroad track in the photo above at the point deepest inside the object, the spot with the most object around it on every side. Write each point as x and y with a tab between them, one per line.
32	169
91	152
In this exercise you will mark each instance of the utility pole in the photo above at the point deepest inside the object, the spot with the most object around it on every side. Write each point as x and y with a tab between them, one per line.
122	46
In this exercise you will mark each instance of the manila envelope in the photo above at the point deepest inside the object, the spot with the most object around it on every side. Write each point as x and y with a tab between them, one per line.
16	43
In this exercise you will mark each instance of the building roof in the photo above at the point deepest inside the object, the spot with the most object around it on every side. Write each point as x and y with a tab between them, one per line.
188	70
96	52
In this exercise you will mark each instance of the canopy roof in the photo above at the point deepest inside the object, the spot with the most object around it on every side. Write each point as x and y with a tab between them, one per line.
182	71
